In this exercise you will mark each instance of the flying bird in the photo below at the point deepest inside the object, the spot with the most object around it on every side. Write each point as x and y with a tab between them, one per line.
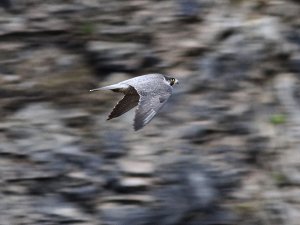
148	92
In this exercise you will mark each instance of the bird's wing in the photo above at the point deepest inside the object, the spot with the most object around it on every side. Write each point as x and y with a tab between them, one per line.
129	101
151	101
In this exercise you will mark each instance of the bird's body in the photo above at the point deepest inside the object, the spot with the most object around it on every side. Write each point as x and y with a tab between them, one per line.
149	92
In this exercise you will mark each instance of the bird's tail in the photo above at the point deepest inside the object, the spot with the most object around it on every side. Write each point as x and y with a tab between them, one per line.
111	87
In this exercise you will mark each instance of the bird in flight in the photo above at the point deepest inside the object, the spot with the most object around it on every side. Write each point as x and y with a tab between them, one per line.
148	92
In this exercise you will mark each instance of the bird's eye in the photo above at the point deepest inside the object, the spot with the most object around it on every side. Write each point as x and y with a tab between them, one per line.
172	81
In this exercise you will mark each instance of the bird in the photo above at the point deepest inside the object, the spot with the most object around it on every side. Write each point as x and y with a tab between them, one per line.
148	92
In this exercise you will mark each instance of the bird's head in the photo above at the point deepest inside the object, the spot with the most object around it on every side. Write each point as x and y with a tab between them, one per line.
171	80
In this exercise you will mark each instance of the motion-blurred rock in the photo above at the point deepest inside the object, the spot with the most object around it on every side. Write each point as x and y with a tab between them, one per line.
133	167
5	4
224	151
115	57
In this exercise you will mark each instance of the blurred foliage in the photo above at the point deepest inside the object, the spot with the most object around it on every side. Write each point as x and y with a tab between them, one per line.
247	208
278	119
279	178
87	28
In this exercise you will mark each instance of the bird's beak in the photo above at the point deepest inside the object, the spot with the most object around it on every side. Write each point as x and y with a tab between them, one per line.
176	81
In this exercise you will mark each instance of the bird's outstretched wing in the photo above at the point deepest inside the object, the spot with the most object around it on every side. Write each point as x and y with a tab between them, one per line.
129	101
149	105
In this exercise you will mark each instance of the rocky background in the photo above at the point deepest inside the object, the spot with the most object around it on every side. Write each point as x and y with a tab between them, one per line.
223	151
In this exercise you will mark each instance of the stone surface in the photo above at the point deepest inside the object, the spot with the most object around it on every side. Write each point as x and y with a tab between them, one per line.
223	150
133	167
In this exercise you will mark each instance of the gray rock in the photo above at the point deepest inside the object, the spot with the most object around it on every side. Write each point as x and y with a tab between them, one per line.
188	189
111	147
200	191
125	33
62	163
5	4
127	215
76	118
60	210
267	28
15	24
294	63
82	193
189	9
129	199
133	184
115	57
137	168
63	8
41	113
198	132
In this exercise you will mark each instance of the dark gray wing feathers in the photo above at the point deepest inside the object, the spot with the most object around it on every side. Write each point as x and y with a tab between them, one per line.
129	101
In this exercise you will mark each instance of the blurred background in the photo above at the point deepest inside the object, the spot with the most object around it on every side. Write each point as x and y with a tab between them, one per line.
223	151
